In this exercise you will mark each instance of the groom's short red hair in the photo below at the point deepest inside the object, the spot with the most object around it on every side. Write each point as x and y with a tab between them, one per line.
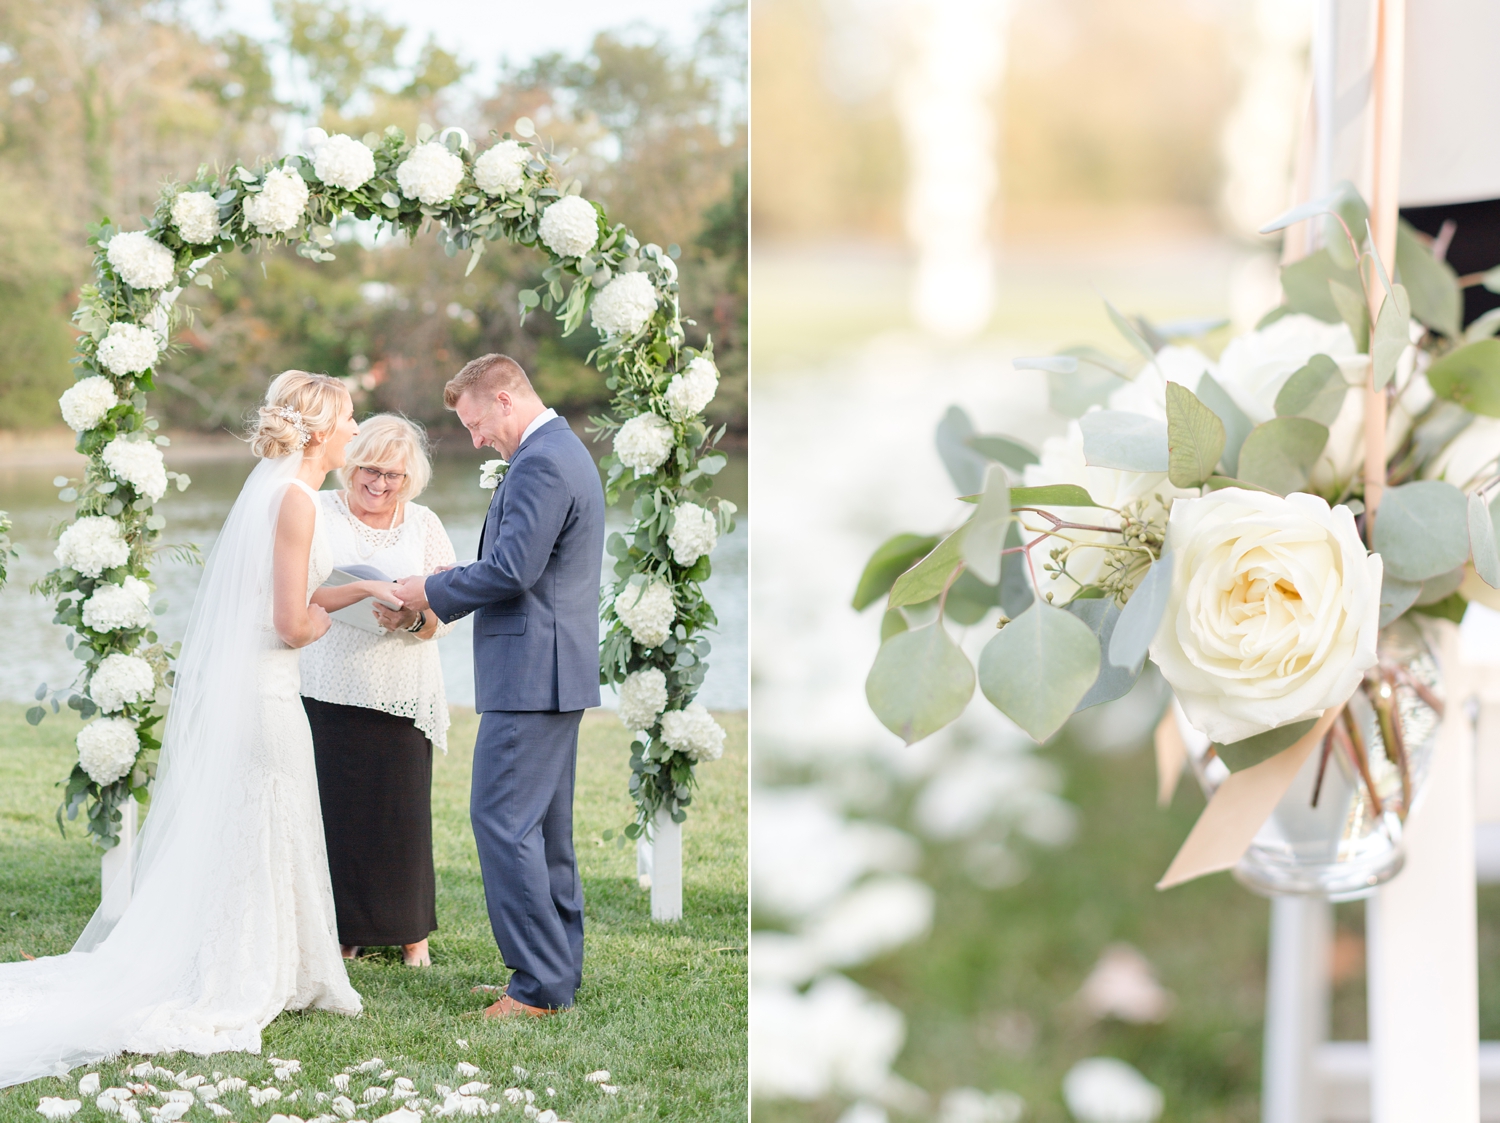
489	374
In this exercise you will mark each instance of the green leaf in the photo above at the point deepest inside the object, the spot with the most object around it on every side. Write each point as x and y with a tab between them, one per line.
1441	587
1279	454
986	536
1051	495
1436	299
1013	454
970	599
1127	329
1316	391
926	579
1039	668
894	557
1353	311
965	466
1130	442
1016	594
1195	437
1453	608
1482	541
892	623
1343	200
1141	616
1396	596
1305	284
920	682
1253	750
1101	614
1236	425
1470	376
1483	328
1392	335
1422	529
1094	377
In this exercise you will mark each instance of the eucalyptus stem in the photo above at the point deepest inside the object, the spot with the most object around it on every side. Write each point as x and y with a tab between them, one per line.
1354	744
1390	728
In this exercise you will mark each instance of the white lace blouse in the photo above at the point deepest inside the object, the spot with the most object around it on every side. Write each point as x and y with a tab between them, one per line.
396	673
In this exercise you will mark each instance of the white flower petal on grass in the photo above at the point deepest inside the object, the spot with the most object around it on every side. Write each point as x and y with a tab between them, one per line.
514	1095
643	443
86	403
182	1079
265	1095
643	695
623	306
1106	1090
343	1106
431	174
107	749
129	1113
499	170
692	389
341	1081
971	1105
141	261
546	1116
119	680
693	732
374	1064
128	349
196	216
207	1093
569	227
138	463
278	206
374	1094
91	545
609	1089
231	1084
55	1107
647	611
117	607
88	1084
464	1068
473	1088
695	532
220	1110
342	161
173	1110
600	1077
401	1115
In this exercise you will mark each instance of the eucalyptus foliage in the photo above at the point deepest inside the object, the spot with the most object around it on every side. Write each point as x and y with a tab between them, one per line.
637	369
6	550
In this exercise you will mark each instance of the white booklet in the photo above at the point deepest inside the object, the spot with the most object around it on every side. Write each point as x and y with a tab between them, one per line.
362	612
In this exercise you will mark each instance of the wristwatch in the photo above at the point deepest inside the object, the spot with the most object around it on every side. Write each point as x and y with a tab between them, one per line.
420	624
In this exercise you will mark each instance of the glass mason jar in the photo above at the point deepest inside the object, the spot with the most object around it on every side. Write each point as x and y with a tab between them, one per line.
1337	831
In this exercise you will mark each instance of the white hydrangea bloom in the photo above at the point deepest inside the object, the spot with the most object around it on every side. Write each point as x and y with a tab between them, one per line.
92	545
569	227
643	695
647	612
623	306
115	607
342	161
138	463
107	748
499	170
196	216
121	680
1106	1090
141	261
86	403
693	732
279	204
431	173
643	443
129	349
695	532
692	389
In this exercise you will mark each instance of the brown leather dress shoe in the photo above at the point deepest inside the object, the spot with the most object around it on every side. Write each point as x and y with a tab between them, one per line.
508	1007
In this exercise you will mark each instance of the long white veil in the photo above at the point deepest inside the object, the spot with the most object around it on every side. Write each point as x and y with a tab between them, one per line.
185	931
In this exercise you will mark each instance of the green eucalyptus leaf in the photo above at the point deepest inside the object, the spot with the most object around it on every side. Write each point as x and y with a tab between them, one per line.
1469	376
1051	495
1130	442
1236	425
1392	335
1141	616
1432	285
1253	750
1195	437
1013	454
1016	594
1353	311
1279	454
969	600
1039	668
894	557
986	536
1129	332
1101	614
1482	541
920	682
927	578
1316	391
1422	530
1437	589
1305	284
965	466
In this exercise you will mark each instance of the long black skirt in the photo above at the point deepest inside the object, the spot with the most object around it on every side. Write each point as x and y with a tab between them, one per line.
375	785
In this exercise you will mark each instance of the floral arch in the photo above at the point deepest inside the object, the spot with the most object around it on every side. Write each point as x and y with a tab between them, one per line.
663	456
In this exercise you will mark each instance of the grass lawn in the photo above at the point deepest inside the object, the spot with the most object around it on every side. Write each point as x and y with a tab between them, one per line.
662	1007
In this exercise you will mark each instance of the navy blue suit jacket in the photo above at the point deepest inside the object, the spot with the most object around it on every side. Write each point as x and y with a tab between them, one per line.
535	585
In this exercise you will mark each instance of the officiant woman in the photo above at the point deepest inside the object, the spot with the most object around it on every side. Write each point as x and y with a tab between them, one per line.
375	700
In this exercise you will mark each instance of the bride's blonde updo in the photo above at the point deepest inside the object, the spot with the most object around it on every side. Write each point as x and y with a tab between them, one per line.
298	405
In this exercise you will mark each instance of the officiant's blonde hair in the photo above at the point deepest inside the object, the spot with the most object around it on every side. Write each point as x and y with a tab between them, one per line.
387	441
314	402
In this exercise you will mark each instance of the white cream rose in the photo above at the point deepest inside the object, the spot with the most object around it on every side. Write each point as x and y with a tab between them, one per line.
1274	610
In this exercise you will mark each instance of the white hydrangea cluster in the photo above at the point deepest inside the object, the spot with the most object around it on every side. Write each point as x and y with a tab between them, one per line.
107	749
279	204
624	305
141	261
695	532
692	389
121	680
129	349
643	695
569	227
118	607
647	612
196	216
85	403
693	732
498	171
91	545
138	463
342	161
431	173
643	443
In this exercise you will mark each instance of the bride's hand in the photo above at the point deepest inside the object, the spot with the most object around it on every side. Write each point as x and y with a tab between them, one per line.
319	621
382	591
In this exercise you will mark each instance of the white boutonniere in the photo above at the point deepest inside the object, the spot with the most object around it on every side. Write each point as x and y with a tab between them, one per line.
491	472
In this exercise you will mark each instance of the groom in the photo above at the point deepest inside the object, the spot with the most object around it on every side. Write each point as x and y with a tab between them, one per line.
535	587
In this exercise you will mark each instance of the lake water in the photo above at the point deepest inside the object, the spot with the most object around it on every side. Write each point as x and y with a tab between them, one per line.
34	652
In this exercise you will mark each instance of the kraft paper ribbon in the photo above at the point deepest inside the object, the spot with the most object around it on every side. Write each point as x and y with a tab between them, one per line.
1171	757
1240	807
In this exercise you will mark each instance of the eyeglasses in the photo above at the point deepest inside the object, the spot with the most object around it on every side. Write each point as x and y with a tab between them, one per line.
392	479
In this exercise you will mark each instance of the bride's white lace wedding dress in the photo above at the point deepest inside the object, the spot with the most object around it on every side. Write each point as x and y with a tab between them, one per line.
230	915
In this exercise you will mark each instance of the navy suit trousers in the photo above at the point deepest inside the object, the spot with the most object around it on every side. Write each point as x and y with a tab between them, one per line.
521	805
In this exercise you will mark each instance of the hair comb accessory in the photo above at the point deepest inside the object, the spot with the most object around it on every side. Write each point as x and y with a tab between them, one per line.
286	413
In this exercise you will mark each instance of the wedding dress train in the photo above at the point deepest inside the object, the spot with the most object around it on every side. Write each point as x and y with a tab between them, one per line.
230	916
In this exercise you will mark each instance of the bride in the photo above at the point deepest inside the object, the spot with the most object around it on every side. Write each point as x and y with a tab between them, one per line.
229	918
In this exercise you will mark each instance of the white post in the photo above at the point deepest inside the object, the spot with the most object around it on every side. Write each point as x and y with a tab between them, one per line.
1296	1009
643	862
120	861
666	868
